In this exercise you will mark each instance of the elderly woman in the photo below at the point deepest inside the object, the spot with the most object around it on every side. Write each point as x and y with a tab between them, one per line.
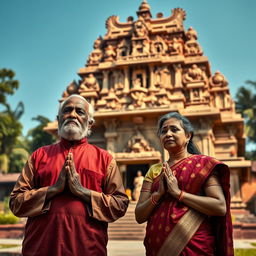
186	200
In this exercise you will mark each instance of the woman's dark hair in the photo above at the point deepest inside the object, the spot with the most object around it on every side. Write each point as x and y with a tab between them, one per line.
187	126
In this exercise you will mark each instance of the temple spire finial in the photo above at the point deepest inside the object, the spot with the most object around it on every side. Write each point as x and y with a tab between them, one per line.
144	10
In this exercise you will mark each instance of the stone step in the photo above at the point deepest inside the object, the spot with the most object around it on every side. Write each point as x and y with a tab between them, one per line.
126	228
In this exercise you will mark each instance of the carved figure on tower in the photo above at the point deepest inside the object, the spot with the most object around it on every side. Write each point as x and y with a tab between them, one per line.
110	53
97	43
138	94
151	99
112	101
158	45
138	144
218	80
140	29
176	46
123	48
192	47
220	92
163	98
140	47
162	77
90	83
71	89
118	80
194	74
96	55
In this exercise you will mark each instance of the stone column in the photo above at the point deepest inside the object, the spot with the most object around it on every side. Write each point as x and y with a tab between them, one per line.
151	77
177	96
122	169
178	75
206	147
111	134
126	80
105	80
111	141
206	137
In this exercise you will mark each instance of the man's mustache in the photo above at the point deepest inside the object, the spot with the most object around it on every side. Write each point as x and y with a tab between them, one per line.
73	121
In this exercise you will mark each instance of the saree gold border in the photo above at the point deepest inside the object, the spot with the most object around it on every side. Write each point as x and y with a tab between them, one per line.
181	234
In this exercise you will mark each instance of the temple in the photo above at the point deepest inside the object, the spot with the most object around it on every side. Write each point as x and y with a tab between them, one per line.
144	68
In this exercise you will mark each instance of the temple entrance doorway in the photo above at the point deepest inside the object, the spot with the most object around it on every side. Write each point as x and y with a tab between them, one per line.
131	173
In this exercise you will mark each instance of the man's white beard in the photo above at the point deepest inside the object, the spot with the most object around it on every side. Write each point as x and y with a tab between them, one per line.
71	131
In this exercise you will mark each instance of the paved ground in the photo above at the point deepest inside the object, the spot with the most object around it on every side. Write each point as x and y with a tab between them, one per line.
117	248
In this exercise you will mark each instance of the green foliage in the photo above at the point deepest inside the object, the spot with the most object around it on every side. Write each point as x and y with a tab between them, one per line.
6	208
245	252
246	105
8	218
37	137
18	158
7	84
10	130
250	155
10	126
5	246
4	163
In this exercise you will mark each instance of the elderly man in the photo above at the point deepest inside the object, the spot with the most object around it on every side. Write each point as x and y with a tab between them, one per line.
69	190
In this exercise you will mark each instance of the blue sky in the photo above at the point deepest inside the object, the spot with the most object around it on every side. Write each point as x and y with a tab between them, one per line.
46	42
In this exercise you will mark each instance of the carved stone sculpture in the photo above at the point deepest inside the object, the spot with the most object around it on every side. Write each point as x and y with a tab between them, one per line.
176	47
138	94
140	47
110	53
96	55
151	99
163	98
90	83
71	89
138	144
162	77
218	80
123	48
112	101
194	74
140	28
158	45
192	47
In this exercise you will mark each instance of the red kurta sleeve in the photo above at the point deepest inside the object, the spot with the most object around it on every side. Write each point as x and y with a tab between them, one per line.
25	199
112	203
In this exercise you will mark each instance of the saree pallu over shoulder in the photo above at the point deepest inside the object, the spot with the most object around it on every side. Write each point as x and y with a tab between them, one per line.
166	218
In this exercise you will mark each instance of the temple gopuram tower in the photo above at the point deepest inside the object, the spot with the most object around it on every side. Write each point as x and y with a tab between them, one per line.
144	68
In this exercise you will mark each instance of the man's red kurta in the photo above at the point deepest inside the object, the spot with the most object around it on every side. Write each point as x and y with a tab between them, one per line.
66	225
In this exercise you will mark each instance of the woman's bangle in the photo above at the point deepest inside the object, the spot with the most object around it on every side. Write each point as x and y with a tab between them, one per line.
181	195
153	200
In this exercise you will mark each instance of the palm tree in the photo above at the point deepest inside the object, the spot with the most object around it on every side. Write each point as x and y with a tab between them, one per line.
246	105
37	137
10	126
7	84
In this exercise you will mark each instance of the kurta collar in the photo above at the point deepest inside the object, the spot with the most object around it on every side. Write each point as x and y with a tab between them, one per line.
68	144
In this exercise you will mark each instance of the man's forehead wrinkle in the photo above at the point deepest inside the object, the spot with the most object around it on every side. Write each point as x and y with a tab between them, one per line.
76	102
